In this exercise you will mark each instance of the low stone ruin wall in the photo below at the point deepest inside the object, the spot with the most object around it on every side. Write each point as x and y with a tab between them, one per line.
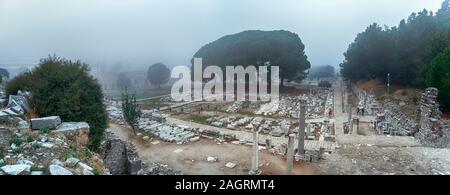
120	157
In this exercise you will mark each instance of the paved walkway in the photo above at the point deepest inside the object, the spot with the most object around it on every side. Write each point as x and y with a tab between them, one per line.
339	115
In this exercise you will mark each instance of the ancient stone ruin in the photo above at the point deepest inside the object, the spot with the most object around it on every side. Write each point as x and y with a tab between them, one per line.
431	129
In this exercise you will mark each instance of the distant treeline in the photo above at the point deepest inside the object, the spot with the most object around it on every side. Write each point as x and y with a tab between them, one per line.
321	72
404	51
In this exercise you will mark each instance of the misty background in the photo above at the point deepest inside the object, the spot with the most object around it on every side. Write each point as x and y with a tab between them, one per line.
133	34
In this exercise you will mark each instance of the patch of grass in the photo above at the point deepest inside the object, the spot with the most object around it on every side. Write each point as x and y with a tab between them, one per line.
153	104
17	141
35	145
16	151
44	130
198	119
29	138
79	153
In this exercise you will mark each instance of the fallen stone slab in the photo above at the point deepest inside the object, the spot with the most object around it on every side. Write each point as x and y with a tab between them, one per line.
58	170
230	165
51	122
211	159
16	169
76	132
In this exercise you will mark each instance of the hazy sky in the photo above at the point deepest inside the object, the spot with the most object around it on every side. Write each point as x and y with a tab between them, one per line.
171	31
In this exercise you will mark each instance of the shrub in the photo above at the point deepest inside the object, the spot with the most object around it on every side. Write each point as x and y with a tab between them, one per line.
44	130
325	84
16	141
65	88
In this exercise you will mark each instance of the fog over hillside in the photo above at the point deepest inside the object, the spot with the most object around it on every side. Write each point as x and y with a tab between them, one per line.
138	33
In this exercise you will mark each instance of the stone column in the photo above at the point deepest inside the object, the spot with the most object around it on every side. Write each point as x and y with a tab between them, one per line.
268	143
290	155
301	129
356	123
349	110
308	131
255	164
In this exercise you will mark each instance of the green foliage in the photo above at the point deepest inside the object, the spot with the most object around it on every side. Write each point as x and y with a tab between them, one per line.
258	48
30	138
402	51
438	75
325	84
65	88
16	151
3	74
24	81
131	111
123	82
35	145
44	130
16	141
79	153
199	119
158	74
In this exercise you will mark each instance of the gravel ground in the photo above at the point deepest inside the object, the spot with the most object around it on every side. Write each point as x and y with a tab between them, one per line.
376	160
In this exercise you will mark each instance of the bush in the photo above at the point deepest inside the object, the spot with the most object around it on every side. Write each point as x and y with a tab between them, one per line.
131	111
44	130
64	88
325	84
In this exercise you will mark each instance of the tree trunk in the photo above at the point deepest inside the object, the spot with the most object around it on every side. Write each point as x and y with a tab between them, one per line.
134	130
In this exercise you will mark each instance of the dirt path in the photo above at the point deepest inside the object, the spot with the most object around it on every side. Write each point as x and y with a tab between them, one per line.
191	158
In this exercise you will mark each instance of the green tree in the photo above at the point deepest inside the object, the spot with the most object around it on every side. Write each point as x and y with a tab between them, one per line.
158	74
438	75
131	111
403	51
123	82
65	88
259	48
3	74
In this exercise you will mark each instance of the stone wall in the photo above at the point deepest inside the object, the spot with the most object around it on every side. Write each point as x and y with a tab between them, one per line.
120	157
432	130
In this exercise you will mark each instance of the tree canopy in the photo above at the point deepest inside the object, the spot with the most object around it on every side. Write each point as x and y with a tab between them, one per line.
321	71
158	74
64	88
3	74
258	48
403	51
123	82
438	75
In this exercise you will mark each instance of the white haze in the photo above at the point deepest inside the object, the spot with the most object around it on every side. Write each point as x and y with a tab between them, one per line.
138	33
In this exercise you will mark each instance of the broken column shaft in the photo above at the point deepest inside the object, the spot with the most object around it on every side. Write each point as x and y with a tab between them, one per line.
290	155
255	164
301	129
356	123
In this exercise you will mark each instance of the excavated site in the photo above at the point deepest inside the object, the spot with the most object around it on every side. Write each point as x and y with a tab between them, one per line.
335	136
310	130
